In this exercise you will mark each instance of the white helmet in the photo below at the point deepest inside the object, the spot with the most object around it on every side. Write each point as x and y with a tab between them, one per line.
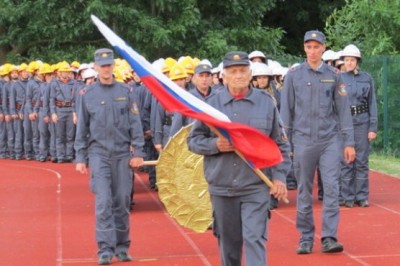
255	54
351	50
89	73
260	69
158	64
83	66
328	55
205	62
215	70
337	55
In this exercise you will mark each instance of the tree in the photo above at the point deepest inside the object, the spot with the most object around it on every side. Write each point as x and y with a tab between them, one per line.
57	30
370	25
296	17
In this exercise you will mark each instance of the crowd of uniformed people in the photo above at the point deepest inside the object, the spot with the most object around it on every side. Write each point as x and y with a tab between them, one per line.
39	101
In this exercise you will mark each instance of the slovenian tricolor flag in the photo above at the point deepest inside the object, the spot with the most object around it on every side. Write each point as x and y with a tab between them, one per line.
259	150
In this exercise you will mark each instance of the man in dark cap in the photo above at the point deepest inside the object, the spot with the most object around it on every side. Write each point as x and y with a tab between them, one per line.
109	133
240	199
202	80
315	110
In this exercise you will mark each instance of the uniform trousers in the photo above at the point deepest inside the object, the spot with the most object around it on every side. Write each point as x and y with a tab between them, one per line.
355	182
111	183
44	133
238	220
65	133
3	139
307	156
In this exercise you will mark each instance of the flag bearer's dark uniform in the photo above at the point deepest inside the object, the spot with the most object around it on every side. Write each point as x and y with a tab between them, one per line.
109	132
240	199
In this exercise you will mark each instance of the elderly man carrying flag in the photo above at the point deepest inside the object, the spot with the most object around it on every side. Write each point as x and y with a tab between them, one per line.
239	198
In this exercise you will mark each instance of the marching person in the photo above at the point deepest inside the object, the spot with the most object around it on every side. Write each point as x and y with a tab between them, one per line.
240	199
17	102
62	105
163	118
362	99
109	133
315	110
202	90
42	108
31	125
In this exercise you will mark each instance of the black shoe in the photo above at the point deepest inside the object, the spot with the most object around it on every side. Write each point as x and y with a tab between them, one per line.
330	245
54	160
104	259
42	160
342	202
60	161
123	256
304	248
17	158
363	203
349	203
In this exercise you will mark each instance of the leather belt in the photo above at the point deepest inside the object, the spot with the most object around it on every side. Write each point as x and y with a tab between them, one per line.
359	109
63	103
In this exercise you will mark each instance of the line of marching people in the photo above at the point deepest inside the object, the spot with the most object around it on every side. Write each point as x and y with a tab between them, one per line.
38	113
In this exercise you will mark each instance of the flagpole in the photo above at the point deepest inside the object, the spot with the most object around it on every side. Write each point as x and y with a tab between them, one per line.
257	171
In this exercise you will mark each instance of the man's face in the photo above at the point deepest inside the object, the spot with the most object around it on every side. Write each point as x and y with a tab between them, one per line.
350	63
314	51
180	82
105	72
14	74
237	77
64	75
203	80
24	74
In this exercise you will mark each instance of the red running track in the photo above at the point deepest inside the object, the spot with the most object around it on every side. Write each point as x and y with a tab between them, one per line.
47	218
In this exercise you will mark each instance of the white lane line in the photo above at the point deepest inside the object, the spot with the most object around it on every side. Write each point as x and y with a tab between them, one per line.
59	213
318	236
386	208
180	230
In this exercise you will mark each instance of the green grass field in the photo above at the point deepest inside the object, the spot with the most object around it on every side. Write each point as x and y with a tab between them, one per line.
384	163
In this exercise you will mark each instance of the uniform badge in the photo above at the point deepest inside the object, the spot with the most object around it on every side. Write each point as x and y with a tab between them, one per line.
134	108
342	90
83	91
236	57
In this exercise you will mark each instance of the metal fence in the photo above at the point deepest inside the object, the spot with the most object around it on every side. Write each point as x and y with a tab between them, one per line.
386	73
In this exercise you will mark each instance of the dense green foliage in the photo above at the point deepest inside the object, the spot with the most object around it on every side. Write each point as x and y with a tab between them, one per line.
52	30
371	25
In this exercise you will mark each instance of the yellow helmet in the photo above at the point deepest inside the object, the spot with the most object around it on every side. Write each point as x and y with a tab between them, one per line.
168	63
118	75
32	67
188	64
75	64
177	72
64	67
196	62
23	67
13	68
45	69
5	69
